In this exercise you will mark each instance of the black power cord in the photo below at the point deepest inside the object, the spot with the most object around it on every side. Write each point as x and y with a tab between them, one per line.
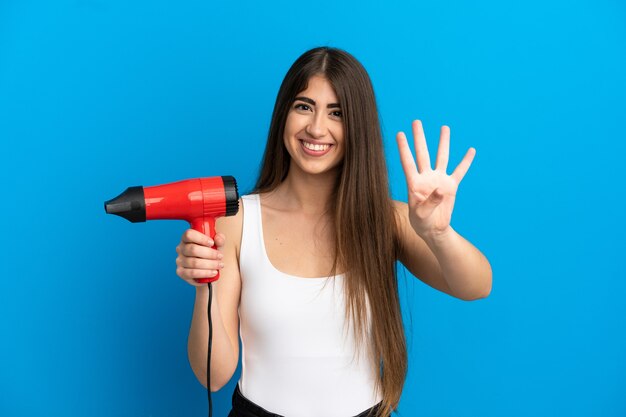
208	361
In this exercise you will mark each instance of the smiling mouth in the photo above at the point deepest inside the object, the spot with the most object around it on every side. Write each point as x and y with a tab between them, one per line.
315	147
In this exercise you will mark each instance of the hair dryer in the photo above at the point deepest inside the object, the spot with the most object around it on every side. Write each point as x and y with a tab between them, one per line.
198	201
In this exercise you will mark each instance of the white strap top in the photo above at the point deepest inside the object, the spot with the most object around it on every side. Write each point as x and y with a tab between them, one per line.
297	358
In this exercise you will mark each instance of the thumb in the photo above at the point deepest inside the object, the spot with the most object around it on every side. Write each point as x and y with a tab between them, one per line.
220	239
430	204
434	198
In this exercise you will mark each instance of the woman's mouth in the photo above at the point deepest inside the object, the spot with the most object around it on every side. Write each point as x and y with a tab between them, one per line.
315	150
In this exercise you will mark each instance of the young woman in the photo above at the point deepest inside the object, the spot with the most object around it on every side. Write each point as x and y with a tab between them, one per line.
308	265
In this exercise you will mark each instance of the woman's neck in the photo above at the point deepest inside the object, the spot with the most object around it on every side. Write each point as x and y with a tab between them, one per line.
309	194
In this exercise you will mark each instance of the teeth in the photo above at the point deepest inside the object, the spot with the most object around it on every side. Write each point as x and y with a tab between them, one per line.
315	147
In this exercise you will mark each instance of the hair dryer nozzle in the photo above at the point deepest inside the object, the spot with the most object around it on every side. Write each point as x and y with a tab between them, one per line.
130	205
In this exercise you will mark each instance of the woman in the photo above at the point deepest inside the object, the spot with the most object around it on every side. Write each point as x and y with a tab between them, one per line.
309	263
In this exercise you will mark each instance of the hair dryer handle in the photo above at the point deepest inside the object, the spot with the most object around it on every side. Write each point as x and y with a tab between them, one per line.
206	225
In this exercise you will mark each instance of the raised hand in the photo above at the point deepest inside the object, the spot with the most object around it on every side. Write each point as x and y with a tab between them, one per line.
431	192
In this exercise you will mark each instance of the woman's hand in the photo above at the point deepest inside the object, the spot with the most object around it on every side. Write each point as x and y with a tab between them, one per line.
196	257
431	192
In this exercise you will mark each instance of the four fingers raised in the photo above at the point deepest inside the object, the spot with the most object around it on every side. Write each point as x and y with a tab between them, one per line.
413	169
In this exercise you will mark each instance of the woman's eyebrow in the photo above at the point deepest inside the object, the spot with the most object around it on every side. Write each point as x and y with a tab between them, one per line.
312	102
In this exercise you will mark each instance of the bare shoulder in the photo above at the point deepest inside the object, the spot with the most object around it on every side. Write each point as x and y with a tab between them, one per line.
402	218
232	228
400	206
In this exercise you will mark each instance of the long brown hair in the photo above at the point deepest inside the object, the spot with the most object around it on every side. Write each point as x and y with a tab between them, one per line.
366	243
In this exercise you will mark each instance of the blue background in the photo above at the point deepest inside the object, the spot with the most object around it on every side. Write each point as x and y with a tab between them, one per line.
96	96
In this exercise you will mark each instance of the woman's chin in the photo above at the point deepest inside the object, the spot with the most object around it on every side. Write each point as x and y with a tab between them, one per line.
316	169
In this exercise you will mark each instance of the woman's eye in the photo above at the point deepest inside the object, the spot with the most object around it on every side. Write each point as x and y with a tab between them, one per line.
301	106
337	113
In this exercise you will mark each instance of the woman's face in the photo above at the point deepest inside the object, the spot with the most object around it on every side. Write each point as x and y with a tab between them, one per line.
314	128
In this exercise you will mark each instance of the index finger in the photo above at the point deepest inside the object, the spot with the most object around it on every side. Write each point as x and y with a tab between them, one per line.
193	236
406	158
421	149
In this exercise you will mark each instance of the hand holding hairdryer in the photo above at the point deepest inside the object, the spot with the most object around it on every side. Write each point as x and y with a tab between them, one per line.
198	201
197	258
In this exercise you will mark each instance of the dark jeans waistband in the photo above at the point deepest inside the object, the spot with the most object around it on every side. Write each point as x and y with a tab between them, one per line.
243	407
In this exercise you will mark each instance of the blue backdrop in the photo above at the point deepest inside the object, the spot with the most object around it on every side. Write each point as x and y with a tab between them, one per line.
96	96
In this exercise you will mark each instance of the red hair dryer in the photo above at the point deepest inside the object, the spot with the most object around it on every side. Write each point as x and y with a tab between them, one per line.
198	201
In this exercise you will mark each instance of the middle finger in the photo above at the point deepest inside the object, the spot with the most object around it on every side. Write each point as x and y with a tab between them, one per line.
421	149
199	251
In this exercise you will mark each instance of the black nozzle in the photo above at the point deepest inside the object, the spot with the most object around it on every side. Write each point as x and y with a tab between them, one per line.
232	195
131	205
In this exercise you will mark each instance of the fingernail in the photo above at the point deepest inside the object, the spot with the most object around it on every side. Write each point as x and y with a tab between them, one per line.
220	256
221	264
210	242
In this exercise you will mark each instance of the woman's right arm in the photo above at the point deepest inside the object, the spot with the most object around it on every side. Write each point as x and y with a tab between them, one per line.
196	259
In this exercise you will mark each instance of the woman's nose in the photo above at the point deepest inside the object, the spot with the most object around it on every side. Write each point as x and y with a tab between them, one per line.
316	126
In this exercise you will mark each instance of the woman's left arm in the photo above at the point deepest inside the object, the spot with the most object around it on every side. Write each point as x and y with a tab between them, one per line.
431	249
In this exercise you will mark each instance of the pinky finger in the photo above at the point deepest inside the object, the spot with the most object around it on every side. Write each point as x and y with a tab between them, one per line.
190	275
463	167
202	273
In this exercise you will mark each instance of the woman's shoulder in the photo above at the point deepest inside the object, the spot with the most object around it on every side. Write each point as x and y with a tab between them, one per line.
401	211
402	223
232	226
399	205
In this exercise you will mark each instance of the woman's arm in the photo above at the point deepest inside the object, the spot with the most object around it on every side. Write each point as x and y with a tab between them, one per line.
224	354
224	312
446	262
432	250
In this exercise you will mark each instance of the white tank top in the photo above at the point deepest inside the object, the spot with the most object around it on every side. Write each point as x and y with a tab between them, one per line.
297	358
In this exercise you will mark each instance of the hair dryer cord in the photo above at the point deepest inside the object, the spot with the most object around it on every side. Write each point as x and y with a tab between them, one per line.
208	361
